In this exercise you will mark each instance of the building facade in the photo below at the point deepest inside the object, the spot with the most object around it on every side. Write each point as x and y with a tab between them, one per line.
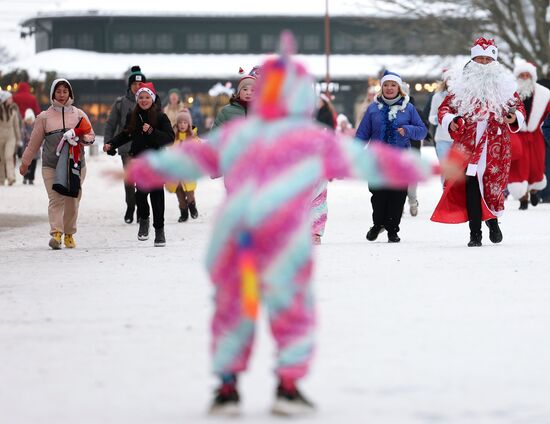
194	36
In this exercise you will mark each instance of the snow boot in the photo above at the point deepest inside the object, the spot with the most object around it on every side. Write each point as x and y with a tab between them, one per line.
143	232
193	210
160	240
535	199
226	401
374	231
495	235
184	215
523	205
289	402
475	239
69	242
413	208
393	237
55	241
129	216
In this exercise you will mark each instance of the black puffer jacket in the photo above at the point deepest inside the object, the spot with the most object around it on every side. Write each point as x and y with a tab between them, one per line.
161	135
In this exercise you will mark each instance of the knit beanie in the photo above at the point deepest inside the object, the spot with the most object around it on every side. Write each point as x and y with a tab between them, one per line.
184	116
249	79
135	75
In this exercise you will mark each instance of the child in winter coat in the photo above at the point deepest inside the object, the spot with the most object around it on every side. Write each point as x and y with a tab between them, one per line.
272	163
59	124
391	119
238	104
148	129
26	130
10	134
185	190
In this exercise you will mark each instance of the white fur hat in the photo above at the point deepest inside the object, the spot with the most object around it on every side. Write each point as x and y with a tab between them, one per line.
483	47
524	66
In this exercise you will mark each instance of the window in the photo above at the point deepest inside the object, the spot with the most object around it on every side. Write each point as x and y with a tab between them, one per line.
342	43
165	42
217	42
312	43
85	41
121	42
196	42
67	41
268	42
143	41
238	42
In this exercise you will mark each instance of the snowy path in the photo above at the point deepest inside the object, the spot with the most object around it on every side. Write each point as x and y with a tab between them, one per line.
426	331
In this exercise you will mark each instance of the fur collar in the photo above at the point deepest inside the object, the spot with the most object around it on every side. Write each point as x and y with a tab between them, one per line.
400	106
541	97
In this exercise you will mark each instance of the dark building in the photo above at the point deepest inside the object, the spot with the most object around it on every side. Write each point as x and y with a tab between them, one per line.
194	35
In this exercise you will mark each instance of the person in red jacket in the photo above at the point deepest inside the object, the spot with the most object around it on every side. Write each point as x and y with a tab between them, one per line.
24	99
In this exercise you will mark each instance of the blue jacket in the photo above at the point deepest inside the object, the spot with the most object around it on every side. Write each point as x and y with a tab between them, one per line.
378	125
546	130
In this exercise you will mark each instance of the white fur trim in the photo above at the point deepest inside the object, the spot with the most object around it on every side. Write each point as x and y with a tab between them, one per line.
446	121
147	90
520	121
517	190
390	77
395	108
541	185
490	51
526	67
541	97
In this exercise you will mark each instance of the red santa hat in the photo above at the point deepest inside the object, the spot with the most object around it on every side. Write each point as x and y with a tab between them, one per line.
149	88
524	66
483	47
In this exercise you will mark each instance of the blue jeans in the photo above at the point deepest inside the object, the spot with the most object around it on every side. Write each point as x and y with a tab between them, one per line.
442	149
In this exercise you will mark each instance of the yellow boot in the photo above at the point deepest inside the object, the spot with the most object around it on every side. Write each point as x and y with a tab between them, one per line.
55	241
69	241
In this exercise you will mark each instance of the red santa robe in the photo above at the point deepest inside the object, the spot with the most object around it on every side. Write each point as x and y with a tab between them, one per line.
528	148
482	148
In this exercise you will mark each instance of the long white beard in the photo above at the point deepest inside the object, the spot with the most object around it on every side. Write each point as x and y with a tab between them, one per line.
480	90
526	87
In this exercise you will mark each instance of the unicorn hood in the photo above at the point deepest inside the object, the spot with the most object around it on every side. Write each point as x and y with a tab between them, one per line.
284	88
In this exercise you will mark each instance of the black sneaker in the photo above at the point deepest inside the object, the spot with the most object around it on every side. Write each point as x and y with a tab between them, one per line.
393	238
129	216
184	215
193	210
475	239
495	235
523	205
160	240
226	401
290	402
374	231
535	199
143	232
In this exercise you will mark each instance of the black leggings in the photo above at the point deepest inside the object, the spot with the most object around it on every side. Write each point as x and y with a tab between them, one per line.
387	208
473	204
157	203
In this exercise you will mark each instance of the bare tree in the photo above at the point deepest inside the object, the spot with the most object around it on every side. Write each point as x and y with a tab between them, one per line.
521	27
5	55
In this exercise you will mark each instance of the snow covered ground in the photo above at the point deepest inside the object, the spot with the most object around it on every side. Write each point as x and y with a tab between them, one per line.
425	331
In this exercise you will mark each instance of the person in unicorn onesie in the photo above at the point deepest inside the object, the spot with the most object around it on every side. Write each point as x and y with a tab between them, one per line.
261	245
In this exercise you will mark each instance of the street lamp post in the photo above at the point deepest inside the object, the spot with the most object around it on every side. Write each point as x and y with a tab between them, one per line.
327	43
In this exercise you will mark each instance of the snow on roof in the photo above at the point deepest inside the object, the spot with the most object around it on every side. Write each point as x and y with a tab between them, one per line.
80	64
286	8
